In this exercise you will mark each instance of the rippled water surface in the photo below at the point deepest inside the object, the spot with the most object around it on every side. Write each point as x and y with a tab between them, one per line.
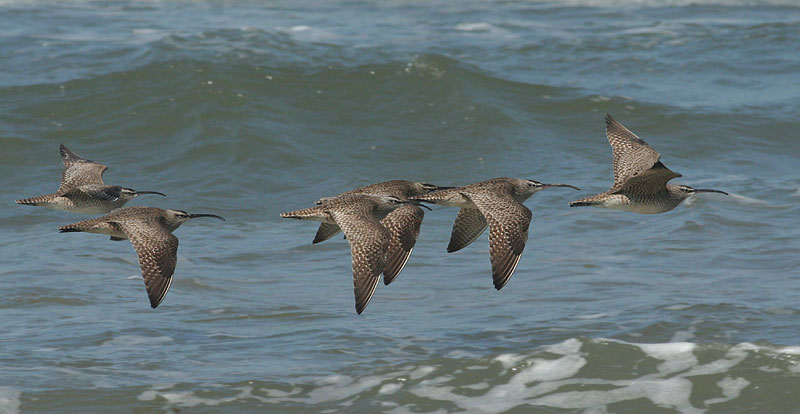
246	110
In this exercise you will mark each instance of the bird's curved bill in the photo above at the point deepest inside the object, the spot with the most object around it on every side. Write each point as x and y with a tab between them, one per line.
150	192
708	190
559	185
206	215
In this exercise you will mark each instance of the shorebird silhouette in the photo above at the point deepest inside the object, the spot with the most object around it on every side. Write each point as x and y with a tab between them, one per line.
640	178
496	203
82	188
403	223
150	231
359	216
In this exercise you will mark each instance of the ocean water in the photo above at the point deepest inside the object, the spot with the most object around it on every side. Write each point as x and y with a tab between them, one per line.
246	110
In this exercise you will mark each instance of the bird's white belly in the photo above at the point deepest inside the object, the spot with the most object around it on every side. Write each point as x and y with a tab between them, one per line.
621	202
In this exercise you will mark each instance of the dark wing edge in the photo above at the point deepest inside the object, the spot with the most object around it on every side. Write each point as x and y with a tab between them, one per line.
325	232
468	226
369	241
404	225
632	155
78	171
508	234
157	259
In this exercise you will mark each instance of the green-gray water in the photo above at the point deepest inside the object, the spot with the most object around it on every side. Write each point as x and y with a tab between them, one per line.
247	110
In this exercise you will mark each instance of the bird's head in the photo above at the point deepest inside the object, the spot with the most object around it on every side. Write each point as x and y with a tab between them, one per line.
685	191
387	203
175	218
129	193
530	187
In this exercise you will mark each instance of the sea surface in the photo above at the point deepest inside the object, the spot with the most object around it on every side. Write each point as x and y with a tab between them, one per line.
247	109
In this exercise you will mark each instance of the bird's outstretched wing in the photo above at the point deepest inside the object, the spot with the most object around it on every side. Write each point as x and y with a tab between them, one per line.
78	171
92	192
508	231
469	225
403	224
369	242
635	160
158	252
325	232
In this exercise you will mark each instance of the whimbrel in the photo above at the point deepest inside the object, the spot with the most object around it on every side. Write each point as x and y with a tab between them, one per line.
150	231
640	178
359	216
403	223
82	189
498	204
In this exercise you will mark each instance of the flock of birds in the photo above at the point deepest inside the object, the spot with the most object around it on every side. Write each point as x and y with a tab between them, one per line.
380	221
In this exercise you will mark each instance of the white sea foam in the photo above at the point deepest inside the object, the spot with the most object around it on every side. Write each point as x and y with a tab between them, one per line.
506	396
509	360
477	386
347	387
533	380
683	336
189	399
539	381
570	346
731	388
677	356
789	350
390	388
421	372
9	400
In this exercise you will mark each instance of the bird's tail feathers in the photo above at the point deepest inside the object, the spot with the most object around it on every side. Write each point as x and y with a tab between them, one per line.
304	214
35	201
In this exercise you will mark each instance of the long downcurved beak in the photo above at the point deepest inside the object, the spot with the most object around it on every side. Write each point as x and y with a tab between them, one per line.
708	190
559	185
206	215
150	192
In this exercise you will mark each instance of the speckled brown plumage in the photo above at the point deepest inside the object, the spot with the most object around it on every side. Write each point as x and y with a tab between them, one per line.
640	178
404	223
496	203
82	189
150	231
359	217
636	164
78	171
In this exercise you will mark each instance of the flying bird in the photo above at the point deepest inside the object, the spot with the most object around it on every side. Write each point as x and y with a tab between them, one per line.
496	203
150	231
640	178
82	188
